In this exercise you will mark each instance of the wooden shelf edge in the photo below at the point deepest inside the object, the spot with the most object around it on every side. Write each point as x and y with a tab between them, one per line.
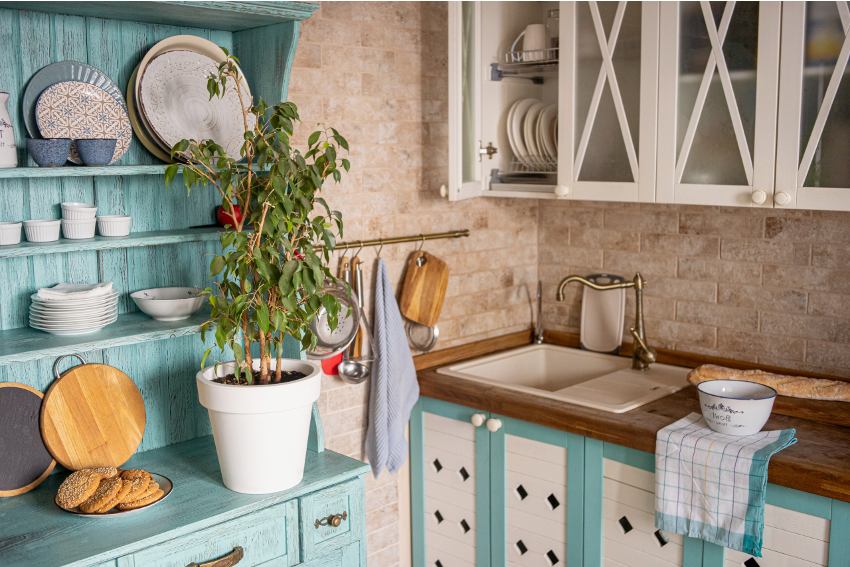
36	172
135	240
27	344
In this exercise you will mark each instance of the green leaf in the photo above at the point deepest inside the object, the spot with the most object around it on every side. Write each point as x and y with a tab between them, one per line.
217	265
314	137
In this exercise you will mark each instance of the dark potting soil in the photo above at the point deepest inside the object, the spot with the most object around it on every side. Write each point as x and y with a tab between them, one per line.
286	376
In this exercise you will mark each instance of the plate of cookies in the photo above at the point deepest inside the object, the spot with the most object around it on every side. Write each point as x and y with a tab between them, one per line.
108	491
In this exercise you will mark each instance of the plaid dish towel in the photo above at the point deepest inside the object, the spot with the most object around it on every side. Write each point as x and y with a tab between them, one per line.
711	485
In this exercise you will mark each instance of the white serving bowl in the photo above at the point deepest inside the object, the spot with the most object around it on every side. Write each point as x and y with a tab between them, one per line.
169	303
10	233
78	229
114	225
78	211
735	407
42	230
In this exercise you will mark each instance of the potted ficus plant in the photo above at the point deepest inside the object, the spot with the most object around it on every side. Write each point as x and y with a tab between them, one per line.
270	282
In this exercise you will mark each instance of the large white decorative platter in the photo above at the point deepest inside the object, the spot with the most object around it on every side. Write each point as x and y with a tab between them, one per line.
176	104
76	110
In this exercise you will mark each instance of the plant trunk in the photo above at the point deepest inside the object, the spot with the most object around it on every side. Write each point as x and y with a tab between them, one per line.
265	360
278	369
246	342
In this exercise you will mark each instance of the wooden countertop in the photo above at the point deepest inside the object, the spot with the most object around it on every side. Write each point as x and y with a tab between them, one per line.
818	463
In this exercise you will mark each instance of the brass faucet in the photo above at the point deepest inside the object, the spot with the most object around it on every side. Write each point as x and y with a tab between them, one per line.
644	355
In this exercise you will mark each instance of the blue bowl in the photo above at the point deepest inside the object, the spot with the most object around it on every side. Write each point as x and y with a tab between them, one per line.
96	152
49	152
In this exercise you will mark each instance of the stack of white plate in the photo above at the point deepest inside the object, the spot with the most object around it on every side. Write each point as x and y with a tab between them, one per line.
532	128
76	316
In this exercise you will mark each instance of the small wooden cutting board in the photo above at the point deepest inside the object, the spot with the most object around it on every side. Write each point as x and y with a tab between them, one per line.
424	289
92	416
24	460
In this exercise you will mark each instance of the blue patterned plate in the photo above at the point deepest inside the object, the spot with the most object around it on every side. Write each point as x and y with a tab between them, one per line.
58	73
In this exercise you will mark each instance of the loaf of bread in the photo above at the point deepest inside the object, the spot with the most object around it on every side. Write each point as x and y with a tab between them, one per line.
791	386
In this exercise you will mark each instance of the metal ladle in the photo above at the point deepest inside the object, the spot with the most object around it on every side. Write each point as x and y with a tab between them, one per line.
356	370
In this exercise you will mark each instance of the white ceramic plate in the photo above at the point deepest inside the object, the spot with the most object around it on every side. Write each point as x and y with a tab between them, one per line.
509	129
48	310
174	102
68	302
71	332
51	320
517	120
75	110
164	483
79	327
529	131
546	131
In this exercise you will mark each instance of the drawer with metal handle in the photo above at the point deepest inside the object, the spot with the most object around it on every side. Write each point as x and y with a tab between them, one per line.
246	541
331	518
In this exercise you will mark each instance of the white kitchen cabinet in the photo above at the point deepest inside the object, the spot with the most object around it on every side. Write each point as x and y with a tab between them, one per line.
718	82
813	171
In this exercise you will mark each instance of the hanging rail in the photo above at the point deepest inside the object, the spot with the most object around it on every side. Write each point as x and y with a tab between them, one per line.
402	239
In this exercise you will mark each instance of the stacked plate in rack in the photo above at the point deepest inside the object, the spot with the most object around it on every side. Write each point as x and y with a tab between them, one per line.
69	309
532	128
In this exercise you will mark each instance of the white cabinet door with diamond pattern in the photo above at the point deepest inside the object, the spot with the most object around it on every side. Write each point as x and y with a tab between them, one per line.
718	85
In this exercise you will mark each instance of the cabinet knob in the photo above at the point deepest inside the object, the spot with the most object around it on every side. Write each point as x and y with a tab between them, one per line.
759	197
782	198
493	425
334	520
561	191
444	191
477	419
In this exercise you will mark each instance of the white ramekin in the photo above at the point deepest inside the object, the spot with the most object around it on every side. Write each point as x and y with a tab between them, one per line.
10	233
78	229
42	230
114	225
78	211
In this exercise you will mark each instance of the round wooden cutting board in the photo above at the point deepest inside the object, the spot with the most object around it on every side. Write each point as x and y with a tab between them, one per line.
24	461
92	416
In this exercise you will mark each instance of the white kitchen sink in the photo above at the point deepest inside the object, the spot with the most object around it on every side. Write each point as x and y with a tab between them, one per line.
601	381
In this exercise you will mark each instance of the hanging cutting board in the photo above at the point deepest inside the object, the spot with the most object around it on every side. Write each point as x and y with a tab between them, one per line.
93	416
24	460
424	289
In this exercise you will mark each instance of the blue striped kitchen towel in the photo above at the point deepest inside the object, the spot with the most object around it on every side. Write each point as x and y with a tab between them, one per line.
711	486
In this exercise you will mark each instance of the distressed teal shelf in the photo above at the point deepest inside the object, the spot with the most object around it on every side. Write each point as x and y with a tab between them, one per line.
135	240
227	16
26	344
34	531
81	171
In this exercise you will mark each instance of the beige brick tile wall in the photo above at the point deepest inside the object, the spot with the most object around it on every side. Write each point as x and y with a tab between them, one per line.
377	71
762	285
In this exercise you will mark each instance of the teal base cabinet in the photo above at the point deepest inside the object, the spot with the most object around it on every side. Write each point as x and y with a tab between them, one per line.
532	495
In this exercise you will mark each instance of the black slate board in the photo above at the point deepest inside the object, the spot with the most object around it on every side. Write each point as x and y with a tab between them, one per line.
24	461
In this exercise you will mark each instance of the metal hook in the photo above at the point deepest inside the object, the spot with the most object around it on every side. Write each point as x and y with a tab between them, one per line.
421	243
380	248
357	254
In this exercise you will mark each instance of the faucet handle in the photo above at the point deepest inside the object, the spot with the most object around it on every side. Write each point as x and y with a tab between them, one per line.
645	352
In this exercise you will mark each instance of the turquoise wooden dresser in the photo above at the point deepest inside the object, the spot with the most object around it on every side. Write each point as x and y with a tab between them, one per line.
172	240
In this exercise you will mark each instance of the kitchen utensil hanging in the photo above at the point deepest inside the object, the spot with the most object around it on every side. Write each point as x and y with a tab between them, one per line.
424	289
356	369
24	460
93	415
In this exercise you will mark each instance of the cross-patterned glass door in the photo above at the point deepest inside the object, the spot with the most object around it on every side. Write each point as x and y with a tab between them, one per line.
718	81
609	84
812	170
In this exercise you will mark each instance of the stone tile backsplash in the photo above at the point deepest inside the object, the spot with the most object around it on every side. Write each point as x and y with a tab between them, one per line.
761	285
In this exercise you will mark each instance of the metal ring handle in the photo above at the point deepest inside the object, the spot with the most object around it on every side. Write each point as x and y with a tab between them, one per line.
228	560
63	357
334	520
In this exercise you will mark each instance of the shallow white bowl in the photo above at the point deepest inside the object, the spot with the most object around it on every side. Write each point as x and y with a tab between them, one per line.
78	211
735	407
169	303
10	233
42	230
114	225
78	229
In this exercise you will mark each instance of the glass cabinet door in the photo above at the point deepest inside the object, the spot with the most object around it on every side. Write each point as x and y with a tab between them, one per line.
609	92
465	167
718	81
812	171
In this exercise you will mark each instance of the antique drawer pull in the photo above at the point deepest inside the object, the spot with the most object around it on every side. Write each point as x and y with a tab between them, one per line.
228	560
334	520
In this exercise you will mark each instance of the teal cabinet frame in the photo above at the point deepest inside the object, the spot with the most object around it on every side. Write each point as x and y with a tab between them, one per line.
584	489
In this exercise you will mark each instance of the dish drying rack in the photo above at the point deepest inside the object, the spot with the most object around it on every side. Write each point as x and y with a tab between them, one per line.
531	65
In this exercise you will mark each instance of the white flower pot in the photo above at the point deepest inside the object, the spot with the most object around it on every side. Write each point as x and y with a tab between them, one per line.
261	431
